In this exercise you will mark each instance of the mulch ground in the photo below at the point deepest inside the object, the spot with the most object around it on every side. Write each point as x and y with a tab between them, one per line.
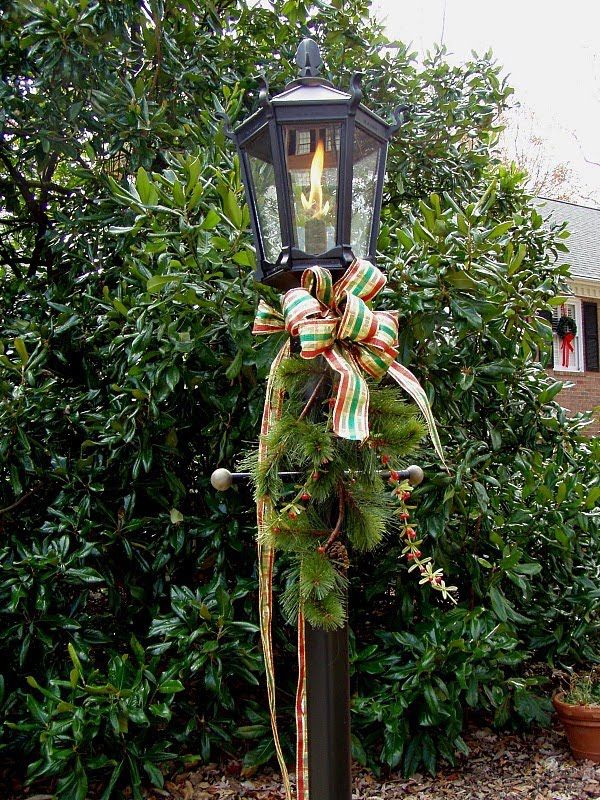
535	766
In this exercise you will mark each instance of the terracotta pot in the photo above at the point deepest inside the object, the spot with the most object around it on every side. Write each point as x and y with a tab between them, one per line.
582	726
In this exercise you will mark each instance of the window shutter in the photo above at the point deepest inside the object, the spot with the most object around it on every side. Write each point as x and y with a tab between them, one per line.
548	316
590	336
292	143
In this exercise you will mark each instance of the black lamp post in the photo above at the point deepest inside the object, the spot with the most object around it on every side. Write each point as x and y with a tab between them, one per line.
313	164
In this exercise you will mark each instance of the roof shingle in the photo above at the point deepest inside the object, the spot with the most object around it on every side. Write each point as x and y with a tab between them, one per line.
584	242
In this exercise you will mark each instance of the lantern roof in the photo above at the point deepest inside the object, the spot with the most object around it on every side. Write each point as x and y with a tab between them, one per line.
311	89
313	92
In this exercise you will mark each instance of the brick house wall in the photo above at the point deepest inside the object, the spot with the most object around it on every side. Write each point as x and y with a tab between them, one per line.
582	303
584	395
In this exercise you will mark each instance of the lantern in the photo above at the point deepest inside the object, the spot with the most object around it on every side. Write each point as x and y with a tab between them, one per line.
313	164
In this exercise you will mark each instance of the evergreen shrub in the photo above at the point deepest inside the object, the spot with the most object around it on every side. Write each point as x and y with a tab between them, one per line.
128	373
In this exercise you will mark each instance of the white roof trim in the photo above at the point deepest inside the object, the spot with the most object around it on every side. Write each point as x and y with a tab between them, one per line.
311	93
585	288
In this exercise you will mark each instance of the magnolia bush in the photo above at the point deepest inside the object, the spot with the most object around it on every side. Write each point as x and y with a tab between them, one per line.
128	372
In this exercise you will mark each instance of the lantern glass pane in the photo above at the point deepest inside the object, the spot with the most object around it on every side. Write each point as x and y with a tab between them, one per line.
366	156
262	173
312	158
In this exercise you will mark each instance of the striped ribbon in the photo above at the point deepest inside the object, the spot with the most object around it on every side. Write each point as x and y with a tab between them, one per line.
266	558
334	321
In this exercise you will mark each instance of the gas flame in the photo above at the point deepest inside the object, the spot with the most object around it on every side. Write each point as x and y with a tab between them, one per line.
314	203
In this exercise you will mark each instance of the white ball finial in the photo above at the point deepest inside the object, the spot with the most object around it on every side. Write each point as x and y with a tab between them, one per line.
221	479
415	475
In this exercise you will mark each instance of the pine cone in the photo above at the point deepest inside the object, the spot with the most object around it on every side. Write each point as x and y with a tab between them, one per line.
338	553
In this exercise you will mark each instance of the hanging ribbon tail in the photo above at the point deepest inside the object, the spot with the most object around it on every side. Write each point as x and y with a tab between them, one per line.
411	385
266	557
351	410
567	348
302	785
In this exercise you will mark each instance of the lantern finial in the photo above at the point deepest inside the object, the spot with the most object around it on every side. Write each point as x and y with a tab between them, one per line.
308	58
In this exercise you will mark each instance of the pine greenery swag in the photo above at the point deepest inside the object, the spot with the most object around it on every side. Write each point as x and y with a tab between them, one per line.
339	500
566	325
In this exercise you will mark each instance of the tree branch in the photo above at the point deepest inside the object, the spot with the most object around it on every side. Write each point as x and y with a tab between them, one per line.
54	187
312	398
585	158
20	500
36	207
338	525
22	185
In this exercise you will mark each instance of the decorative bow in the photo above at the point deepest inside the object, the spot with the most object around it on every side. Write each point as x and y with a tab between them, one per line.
334	320
567	347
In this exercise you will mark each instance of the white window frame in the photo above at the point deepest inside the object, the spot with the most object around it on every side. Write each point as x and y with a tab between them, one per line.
302	142
332	139
576	361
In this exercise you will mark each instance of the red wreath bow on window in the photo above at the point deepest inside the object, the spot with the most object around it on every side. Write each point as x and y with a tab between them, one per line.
567	348
566	330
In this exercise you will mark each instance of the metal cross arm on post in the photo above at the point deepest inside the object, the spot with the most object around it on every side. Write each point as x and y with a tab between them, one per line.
222	479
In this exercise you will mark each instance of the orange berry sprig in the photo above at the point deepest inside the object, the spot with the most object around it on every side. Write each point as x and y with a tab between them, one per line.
411	550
